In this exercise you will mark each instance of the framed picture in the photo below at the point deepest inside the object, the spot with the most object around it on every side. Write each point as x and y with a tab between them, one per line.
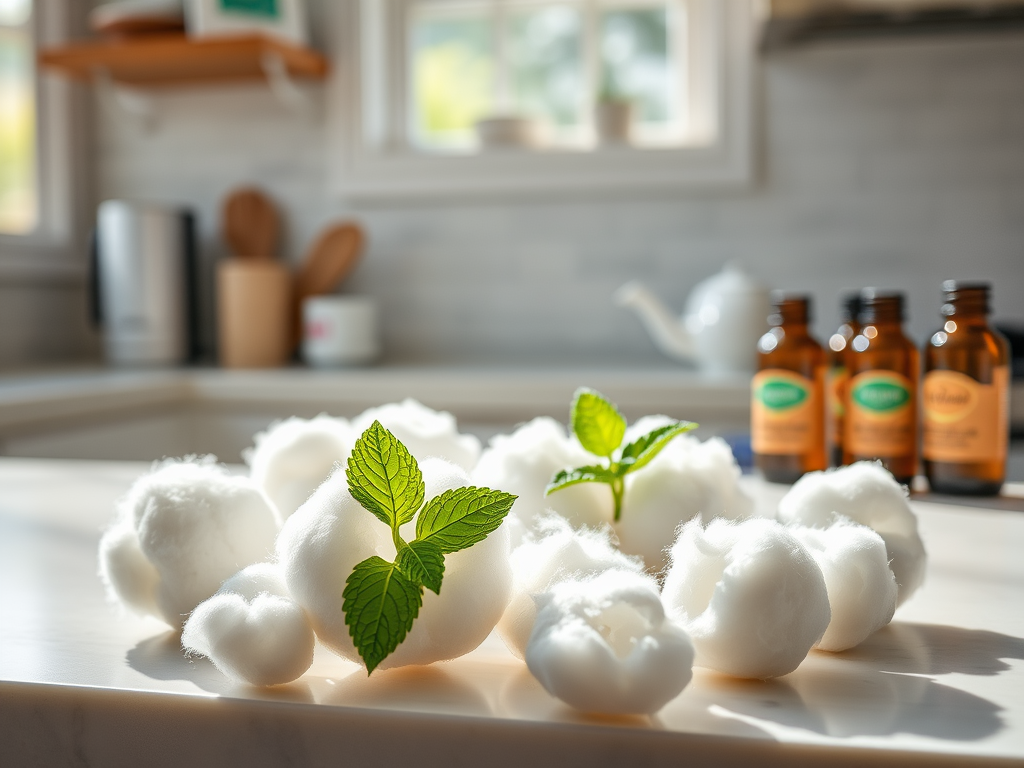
282	18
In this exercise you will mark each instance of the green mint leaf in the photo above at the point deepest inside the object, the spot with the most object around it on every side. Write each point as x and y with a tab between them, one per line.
384	477
641	451
597	423
380	604
423	563
461	517
567	477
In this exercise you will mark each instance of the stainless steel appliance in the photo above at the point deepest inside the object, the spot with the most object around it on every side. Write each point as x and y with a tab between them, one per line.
143	282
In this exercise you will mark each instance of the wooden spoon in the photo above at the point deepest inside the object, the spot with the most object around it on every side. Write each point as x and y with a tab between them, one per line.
251	224
328	262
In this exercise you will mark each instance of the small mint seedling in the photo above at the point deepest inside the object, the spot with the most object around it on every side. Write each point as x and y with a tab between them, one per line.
381	600
600	428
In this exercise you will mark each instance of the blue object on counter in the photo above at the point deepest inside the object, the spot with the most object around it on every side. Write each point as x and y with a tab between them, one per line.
741	450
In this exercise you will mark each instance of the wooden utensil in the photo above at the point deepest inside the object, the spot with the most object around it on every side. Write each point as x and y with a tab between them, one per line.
254	313
329	261
251	224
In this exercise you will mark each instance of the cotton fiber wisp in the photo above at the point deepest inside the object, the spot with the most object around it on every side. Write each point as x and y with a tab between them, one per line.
861	586
605	645
181	531
323	541
750	595
524	462
252	630
555	553
867	494
688	478
425	432
292	458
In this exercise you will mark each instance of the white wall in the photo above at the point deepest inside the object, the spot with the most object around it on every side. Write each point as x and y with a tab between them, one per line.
896	163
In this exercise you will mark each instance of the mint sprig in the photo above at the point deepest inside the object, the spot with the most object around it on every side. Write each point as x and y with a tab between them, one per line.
381	600
600	428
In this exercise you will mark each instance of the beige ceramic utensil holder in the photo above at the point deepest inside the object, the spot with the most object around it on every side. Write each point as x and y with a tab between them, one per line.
254	298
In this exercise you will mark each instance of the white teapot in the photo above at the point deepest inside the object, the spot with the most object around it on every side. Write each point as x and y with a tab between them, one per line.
725	316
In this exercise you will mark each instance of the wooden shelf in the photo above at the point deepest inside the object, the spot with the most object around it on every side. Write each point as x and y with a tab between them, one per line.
170	60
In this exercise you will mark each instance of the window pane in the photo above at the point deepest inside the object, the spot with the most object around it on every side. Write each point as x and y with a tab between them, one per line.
18	200
545	57
452	74
14	13
638	63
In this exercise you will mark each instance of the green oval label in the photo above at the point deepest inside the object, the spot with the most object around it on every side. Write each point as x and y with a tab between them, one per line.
779	394
881	396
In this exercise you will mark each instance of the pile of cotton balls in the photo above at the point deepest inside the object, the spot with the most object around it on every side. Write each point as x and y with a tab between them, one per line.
688	478
608	616
252	567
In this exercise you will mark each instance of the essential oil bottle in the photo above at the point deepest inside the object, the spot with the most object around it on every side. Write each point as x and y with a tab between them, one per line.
881	396
787	408
965	396
839	377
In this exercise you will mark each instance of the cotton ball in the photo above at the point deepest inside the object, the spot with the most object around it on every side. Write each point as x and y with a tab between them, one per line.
524	462
252	630
294	456
605	645
750	595
324	540
867	494
861	586
425	432
688	478
181	531
129	576
555	553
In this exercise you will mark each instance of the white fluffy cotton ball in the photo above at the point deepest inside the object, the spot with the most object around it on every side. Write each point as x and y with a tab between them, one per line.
750	595
252	630
861	586
868	494
688	478
292	458
324	540
524	462
425	432
556	552
179	533
605	645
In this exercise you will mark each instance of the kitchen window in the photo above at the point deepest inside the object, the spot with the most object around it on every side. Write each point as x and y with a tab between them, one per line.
19	198
43	146
507	96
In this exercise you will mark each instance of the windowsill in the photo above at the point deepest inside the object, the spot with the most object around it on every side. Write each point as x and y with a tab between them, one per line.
372	162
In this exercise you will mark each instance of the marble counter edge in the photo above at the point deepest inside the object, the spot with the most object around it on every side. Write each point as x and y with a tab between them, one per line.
79	720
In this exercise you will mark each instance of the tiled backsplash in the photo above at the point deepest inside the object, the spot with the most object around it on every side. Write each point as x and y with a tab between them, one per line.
896	163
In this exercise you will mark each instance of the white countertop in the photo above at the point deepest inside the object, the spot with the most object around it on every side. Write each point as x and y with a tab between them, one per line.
81	683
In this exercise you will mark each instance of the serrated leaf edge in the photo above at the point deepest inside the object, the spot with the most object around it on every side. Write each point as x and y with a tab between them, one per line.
501	499
349	619
669	433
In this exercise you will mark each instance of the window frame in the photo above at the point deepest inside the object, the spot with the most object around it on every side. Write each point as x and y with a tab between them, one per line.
54	248
371	158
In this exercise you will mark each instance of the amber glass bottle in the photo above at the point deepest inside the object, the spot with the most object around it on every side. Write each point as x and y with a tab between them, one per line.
881	397
965	396
787	408
838	377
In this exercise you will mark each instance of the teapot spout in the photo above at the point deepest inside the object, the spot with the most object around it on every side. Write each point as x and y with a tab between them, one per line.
665	329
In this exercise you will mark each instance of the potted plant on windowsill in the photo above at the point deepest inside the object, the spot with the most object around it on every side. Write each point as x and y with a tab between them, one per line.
613	116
